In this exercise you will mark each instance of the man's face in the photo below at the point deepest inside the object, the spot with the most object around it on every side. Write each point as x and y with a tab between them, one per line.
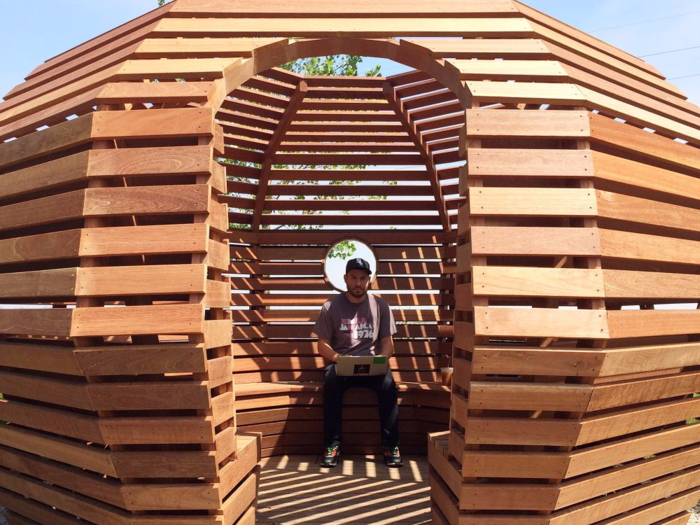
357	282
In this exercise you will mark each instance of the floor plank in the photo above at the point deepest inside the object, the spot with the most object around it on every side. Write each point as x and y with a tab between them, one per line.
295	490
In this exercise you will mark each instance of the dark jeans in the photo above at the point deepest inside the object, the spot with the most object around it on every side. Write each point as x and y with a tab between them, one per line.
333	391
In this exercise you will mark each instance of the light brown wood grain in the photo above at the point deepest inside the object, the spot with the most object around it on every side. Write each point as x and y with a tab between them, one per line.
541	322
537	282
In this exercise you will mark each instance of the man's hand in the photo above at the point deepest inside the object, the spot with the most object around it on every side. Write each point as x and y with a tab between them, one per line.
323	347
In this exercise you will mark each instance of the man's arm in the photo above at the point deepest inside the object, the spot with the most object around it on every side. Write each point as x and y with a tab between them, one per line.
387	346
323	347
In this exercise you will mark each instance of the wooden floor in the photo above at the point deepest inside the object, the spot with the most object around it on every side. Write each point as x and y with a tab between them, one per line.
294	489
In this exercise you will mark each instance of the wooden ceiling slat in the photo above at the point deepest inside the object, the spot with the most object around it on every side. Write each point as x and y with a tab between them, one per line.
349	190
341	174
343	159
239	106
353	93
346	137
436	97
347	148
242	131
348	205
271	86
337	116
343	105
259	97
358	127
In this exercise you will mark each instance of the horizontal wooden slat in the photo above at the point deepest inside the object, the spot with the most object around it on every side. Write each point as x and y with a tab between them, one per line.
508	396
532	202
94	459
513	123
649	323
166	319
541	322
107	163
482	48
184	47
310	9
529	163
535	241
336	27
526	93
637	246
141	359
640	175
628	284
607	131
624	208
523	70
537	282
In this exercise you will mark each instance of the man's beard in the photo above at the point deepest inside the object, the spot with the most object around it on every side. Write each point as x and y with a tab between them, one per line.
357	292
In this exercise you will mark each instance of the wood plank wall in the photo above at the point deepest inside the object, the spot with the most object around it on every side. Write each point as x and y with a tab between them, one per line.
278	375
117	391
581	198
574	397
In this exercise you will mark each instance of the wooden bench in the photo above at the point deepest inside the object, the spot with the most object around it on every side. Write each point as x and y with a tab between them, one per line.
281	396
290	416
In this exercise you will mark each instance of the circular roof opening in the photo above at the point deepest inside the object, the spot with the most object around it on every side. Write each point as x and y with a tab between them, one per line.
338	256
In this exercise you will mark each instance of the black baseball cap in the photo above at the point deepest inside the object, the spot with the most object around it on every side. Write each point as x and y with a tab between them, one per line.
358	264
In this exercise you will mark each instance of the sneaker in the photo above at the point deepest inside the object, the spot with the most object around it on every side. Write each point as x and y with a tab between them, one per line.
392	457
331	457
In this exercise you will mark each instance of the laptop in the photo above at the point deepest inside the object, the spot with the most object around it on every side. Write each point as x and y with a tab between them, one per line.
366	365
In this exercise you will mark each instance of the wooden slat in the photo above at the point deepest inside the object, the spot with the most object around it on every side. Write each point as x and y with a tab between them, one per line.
107	163
141	359
185	47
648	323
535	241
337	27
637	246
537	282
540	322
628	284
167	319
310	9
645	211
530	163
526	93
513	123
532	202
482	48
607	131
639	175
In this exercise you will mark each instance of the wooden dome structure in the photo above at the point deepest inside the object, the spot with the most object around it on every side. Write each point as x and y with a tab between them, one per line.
532	196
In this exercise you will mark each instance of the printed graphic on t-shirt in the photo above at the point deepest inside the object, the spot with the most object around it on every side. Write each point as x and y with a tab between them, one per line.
358	328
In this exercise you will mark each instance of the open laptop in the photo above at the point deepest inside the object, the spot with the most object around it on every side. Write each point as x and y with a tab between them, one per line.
366	365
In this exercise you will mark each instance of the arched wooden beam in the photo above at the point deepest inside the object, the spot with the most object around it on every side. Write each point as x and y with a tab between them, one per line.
398	108
294	103
413	56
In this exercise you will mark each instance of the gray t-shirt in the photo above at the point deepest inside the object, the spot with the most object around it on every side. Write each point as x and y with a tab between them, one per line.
355	329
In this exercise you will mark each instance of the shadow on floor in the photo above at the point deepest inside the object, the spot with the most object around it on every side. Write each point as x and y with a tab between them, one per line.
295	490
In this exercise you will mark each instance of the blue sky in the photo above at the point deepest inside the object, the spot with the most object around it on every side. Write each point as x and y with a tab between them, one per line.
36	30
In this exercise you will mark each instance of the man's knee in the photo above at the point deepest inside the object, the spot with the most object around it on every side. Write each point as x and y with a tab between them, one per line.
332	381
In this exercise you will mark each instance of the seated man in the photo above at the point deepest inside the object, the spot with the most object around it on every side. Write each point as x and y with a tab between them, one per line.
356	323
